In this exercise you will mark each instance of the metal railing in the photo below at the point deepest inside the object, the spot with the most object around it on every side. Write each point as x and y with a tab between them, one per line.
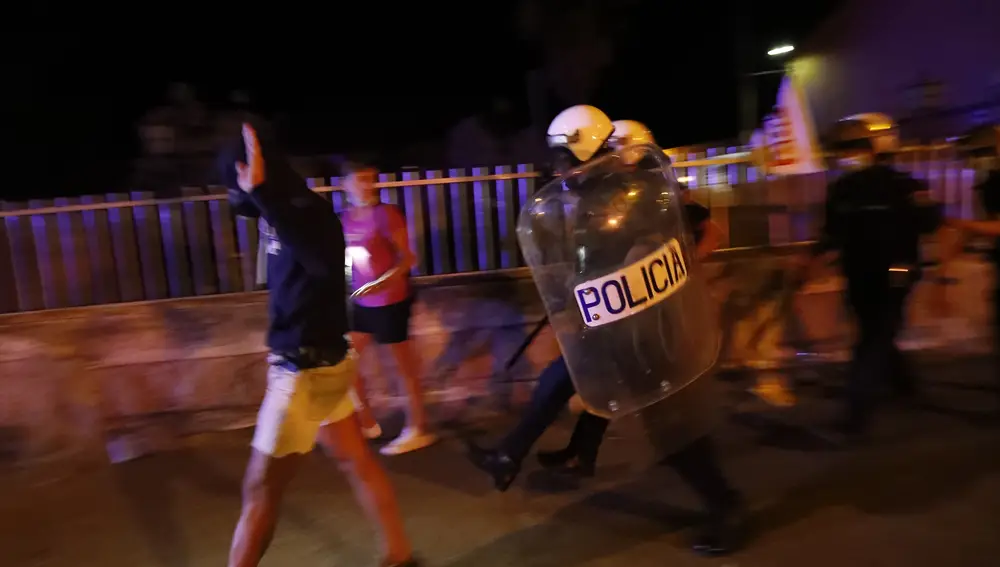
131	247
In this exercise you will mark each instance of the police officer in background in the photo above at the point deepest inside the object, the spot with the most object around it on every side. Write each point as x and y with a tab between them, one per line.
874	218
981	148
679	429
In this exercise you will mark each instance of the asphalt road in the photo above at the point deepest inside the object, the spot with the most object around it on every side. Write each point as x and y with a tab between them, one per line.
925	492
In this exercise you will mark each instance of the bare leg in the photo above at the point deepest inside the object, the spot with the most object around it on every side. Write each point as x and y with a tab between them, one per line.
344	442
361	341
263	488
409	368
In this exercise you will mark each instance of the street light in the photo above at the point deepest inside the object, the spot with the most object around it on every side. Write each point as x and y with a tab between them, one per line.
781	50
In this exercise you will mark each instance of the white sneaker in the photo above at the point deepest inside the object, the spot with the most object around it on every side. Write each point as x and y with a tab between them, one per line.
373	432
409	440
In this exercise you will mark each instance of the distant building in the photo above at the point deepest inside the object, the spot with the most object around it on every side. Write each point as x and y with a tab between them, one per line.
182	126
181	138
933	66
576	41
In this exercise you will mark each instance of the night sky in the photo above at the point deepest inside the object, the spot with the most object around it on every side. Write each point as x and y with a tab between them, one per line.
388	77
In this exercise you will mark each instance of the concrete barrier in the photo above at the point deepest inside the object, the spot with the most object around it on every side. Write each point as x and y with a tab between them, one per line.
84	382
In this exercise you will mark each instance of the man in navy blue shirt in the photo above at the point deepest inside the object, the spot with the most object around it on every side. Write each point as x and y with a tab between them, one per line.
311	367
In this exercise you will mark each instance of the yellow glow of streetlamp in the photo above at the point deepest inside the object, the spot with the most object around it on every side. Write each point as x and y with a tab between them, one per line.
781	50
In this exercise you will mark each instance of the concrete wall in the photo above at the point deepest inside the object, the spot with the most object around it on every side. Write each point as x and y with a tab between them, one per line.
77	383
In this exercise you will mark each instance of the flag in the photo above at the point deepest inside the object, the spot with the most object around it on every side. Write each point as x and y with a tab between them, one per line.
786	143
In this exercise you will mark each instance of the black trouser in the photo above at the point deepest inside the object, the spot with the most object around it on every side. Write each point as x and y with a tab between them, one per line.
587	436
695	463
877	362
996	334
553	392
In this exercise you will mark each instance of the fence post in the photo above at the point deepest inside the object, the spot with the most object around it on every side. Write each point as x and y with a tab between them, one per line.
701	171
461	213
175	247
147	230
53	277
338	196
198	231
525	189
736	173
416	228
486	240
24	259
388	194
712	174
8	280
100	252
248	239
441	244
125	244
227	258
76	268
506	218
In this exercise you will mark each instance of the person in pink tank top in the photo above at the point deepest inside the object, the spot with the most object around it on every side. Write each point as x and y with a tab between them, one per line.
380	256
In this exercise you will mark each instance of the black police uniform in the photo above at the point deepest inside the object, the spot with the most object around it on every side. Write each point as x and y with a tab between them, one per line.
989	194
874	219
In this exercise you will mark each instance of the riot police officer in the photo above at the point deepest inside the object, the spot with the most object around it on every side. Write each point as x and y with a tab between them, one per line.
579	456
678	428
874	218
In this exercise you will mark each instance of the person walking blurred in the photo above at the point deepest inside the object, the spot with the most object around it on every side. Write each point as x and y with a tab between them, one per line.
381	259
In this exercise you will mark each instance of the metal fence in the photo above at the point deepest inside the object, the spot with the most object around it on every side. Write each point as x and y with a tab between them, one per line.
128	247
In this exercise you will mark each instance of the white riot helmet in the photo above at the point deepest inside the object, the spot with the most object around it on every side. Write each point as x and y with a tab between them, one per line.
582	130
629	132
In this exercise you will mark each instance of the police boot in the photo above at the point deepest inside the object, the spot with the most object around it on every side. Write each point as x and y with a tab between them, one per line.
722	533
854	427
566	461
502	468
724	530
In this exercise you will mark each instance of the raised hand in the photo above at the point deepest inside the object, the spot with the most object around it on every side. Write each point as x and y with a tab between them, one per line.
250	175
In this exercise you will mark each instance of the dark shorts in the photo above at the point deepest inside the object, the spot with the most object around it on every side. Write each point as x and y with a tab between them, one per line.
388	325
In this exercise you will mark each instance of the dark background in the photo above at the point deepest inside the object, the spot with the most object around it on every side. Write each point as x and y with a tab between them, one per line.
379	75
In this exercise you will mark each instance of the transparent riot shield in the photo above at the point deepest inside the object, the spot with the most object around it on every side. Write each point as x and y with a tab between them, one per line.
613	259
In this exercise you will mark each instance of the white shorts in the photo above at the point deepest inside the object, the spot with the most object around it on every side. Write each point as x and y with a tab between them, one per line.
297	404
